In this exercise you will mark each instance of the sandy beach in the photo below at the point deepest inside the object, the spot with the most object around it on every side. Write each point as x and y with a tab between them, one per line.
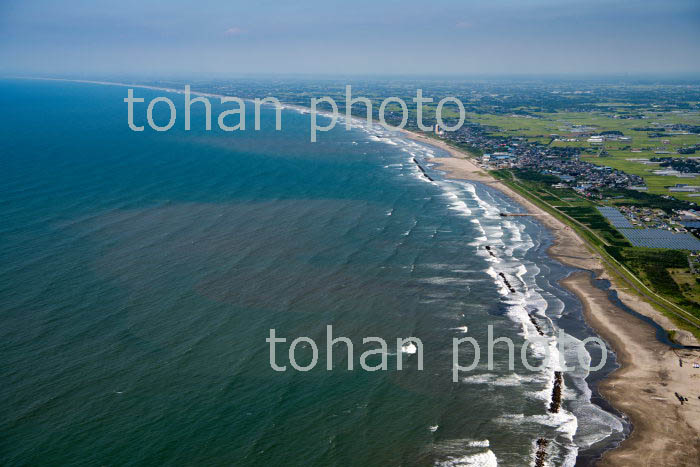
665	432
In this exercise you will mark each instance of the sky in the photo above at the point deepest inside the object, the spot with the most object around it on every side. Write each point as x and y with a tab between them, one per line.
349	37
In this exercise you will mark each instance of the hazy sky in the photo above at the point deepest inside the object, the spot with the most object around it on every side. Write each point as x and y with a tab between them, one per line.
408	36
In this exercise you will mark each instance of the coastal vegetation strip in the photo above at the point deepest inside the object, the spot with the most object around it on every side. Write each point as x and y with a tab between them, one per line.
607	248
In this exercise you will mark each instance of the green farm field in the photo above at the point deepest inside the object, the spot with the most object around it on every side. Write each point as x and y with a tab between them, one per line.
617	154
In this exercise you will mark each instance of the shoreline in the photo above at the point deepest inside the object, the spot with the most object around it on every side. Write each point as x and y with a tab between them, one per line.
664	431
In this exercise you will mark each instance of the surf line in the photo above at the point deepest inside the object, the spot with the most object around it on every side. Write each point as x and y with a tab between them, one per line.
555	401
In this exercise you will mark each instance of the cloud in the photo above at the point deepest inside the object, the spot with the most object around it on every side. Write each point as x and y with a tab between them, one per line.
235	31
464	24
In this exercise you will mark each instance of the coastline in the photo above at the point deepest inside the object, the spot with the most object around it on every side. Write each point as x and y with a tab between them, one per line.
664	431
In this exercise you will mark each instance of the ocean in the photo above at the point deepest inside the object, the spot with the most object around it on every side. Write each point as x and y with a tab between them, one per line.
141	273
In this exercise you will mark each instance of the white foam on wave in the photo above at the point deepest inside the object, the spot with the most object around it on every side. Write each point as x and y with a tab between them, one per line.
516	234
478	225
505	239
509	242
563	422
502	288
438	266
456	203
489	210
479	444
599	423
521	271
512	379
442	280
494	232
481	459
557	306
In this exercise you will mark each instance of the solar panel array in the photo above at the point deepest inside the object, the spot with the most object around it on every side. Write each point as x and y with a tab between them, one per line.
649	238
657	238
616	218
691	224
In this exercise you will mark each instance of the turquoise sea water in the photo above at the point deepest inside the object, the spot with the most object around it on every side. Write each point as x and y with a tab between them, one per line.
141	274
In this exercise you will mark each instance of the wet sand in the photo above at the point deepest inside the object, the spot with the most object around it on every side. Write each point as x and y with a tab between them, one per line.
645	386
665	432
